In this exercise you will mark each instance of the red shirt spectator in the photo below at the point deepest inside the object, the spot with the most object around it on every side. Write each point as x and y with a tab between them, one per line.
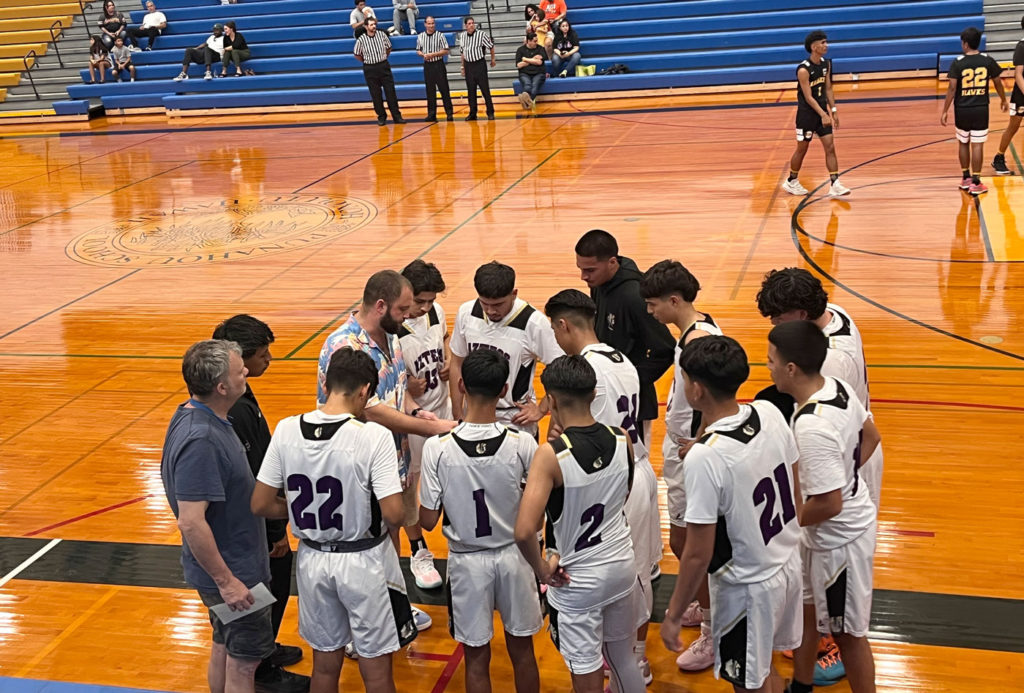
554	10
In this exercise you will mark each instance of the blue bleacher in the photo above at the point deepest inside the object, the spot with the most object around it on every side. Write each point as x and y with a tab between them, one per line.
301	49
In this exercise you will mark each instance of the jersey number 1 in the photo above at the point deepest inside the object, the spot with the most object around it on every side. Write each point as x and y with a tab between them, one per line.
328	519
483	515
765	493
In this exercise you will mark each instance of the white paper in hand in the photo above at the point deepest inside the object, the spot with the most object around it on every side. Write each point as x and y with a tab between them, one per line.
260	593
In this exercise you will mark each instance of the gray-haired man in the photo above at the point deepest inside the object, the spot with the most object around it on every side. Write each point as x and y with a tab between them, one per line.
208	484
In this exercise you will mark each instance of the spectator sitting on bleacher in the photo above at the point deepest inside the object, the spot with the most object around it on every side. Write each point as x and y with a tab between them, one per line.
566	55
530	61
236	50
538	24
152	24
357	20
554	10
112	24
409	10
98	59
210	52
121	59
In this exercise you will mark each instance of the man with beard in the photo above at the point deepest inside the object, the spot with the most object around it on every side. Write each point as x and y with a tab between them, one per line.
373	328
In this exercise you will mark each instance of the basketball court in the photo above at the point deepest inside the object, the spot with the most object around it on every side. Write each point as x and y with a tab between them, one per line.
123	243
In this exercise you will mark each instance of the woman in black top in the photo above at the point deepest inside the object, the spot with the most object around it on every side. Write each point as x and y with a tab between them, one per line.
235	50
566	55
112	24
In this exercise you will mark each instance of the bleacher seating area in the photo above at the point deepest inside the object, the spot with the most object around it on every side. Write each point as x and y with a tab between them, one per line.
302	49
25	29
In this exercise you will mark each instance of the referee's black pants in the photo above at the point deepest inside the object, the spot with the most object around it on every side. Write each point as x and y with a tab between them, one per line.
435	75
476	75
378	77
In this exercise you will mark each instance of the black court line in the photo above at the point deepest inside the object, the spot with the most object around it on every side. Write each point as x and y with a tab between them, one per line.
984	230
364	157
69	303
567	114
796	231
922	618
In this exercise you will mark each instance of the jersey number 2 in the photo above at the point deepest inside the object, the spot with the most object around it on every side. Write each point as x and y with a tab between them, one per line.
595	516
627	407
765	493
325	517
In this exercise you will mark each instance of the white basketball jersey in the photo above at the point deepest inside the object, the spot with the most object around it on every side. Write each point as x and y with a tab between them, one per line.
333	469
843	334
422	342
586	521
828	430
617	392
524	336
681	422
739	475
476	474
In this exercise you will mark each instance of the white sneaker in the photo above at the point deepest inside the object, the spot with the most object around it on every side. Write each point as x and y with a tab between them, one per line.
422	565
693	616
793	187
208	76
645	669
838	189
700	655
655	571
350	651
133	79
422	619
412	33
134	49
182	76
393	31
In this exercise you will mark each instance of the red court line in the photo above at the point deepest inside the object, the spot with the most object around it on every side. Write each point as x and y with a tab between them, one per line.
449	671
87	515
907	532
429	656
967	405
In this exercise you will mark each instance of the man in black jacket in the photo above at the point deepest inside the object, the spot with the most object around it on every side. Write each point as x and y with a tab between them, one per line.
622	318
254	337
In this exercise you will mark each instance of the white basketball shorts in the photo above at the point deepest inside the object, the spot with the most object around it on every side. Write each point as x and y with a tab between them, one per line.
580	635
840	583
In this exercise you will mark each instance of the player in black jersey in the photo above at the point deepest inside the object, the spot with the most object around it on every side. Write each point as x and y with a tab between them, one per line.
815	115
969	76
1016	109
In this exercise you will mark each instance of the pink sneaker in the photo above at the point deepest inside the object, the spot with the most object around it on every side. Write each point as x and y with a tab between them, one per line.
977	188
965	184
700	655
692	616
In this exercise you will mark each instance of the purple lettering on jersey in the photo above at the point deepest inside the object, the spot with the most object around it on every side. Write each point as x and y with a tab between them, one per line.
428	357
473	346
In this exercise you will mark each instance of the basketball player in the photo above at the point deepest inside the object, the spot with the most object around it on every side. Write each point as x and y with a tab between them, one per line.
816	114
835	435
340	479
501	321
581	479
475	476
741	521
670	290
1016	109
969	76
615	404
423	336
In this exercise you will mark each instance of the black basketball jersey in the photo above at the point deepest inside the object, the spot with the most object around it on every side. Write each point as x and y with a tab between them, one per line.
1018	59
972	73
817	74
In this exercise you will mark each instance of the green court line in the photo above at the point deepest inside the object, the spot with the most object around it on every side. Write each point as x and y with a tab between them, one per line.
290	356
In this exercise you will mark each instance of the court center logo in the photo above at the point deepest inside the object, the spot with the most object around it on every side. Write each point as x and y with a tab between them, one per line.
223	231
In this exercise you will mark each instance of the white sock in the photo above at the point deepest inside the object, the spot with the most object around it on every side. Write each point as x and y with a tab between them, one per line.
640	650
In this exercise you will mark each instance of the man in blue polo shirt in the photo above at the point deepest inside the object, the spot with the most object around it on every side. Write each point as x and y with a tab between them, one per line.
208	484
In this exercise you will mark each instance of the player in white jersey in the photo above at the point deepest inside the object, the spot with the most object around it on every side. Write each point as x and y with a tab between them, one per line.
581	481
796	294
670	290
741	520
501	321
615	404
835	436
423	337
341	485
475	476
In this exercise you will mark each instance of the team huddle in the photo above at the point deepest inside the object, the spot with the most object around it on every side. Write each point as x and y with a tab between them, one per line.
772	504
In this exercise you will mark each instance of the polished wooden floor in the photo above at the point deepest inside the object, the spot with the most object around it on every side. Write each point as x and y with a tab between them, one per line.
122	243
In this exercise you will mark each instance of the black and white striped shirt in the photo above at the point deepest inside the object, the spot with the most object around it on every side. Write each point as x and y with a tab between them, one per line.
474	45
432	43
374	49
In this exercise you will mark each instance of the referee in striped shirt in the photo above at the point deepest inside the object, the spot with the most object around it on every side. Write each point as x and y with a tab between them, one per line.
372	50
432	46
472	44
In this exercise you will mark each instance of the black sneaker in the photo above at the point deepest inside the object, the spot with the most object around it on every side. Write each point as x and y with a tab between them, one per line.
450	118
430	119
399	120
278	680
999	164
382	121
471	116
285	655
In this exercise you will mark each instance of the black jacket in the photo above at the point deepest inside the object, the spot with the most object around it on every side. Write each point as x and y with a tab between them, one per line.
624	323
252	429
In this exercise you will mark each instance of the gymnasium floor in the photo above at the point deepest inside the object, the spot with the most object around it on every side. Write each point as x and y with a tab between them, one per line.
121	244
